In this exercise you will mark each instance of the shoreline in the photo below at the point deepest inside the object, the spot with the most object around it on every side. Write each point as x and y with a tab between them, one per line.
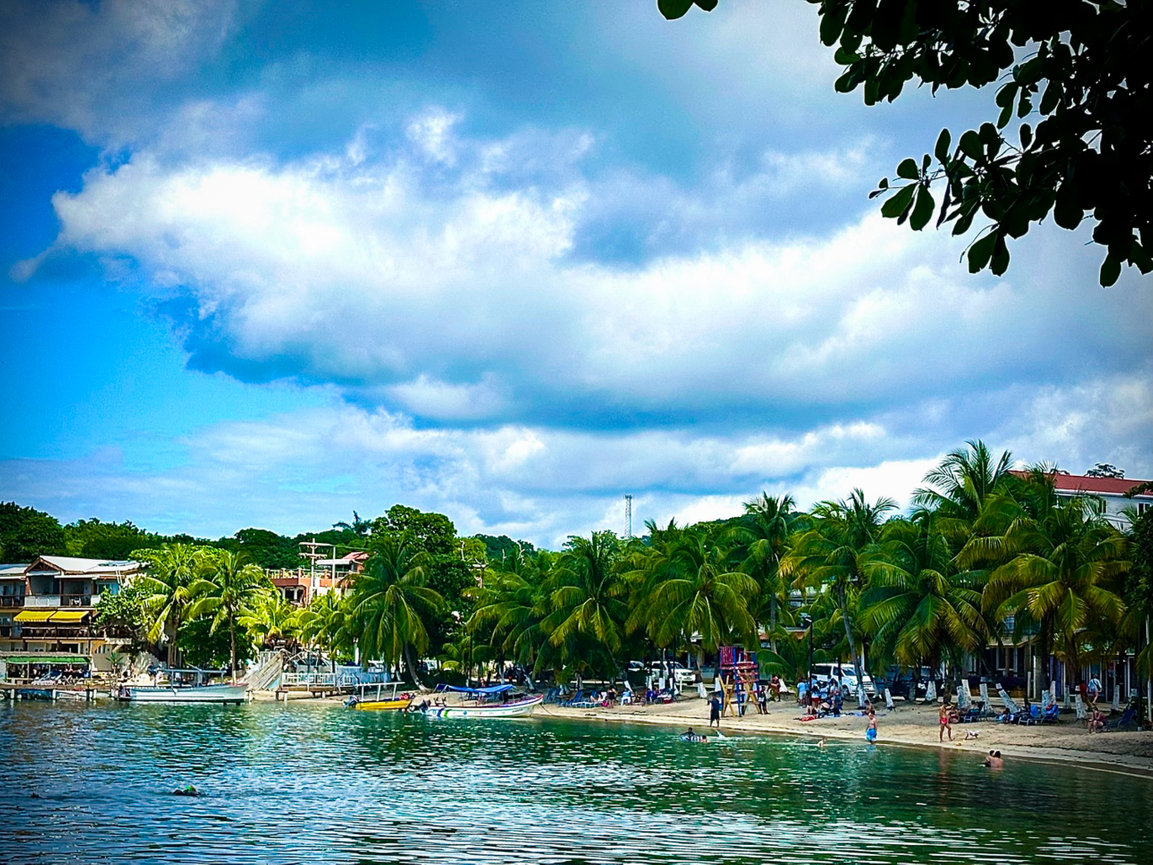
1066	743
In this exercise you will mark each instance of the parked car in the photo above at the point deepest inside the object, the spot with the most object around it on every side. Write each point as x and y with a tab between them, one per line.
846	674
683	674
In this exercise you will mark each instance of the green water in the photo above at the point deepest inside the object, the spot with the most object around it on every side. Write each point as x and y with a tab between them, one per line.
311	783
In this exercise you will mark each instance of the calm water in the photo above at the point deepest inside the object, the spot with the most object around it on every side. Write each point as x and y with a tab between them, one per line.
311	783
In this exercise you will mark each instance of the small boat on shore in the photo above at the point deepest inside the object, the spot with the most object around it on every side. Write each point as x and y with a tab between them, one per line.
184	686
380	696
491	702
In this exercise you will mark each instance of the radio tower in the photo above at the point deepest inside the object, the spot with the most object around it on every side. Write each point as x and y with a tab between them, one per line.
629	514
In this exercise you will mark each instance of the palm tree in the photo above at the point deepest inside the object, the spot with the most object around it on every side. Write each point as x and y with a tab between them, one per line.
273	618
1055	570
171	571
915	604
962	487
827	556
762	538
390	601
325	623
701	596
227	590
511	604
358	526
586	611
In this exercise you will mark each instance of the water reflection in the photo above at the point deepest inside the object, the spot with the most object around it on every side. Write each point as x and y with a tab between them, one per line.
310	783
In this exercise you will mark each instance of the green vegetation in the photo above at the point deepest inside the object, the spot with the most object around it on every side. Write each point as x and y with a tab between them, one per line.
985	555
1068	132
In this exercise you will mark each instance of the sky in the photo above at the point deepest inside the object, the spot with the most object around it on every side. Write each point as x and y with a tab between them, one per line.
266	264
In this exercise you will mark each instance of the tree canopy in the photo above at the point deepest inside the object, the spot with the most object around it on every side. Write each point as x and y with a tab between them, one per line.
1068	133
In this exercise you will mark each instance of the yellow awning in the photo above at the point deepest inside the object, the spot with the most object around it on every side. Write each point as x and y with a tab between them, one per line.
33	615
66	616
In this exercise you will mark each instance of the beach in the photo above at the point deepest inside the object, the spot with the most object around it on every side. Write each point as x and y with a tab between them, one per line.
907	725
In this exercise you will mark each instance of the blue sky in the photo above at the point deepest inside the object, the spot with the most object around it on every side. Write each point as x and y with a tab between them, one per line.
266	264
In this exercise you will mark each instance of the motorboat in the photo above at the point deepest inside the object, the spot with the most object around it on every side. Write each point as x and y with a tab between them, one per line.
379	695
496	701
184	686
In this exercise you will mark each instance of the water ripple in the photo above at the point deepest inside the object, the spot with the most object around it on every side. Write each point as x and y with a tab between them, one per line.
314	783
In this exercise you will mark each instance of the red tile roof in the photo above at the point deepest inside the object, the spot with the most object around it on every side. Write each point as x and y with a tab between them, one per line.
1095	486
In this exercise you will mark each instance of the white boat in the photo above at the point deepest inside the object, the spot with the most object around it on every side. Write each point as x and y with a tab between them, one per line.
188	694
480	703
185	686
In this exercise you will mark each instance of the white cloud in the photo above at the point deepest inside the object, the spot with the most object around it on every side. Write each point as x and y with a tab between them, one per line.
459	302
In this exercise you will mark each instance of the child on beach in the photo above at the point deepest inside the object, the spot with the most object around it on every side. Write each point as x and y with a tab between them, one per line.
871	728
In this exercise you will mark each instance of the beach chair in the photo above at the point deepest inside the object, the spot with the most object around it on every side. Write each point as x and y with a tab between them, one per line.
1051	714
964	698
1009	702
1031	717
1128	719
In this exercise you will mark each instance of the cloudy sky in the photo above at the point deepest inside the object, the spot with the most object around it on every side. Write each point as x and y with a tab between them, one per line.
264	264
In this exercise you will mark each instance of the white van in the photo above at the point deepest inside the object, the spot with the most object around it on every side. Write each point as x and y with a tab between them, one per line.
846	674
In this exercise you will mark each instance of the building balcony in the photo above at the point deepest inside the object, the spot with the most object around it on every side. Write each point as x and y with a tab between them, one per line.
40	602
11	601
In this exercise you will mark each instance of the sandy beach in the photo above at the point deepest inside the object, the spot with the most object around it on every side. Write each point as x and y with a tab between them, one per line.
907	725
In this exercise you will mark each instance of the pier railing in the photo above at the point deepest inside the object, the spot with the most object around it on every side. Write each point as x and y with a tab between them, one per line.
317	680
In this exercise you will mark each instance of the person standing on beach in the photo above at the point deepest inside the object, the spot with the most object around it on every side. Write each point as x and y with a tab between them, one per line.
945	717
715	711
1094	690
871	728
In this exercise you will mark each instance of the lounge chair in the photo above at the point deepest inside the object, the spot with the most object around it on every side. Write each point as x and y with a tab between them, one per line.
1033	716
1009	702
964	698
1128	719
1079	705
1052	714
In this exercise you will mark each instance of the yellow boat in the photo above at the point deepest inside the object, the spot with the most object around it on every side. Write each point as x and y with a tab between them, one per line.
379	695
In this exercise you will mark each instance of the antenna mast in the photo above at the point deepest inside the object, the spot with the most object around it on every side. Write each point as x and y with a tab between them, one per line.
629	514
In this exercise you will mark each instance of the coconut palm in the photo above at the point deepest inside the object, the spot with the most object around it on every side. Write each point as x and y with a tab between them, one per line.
586	607
511	604
762	537
391	602
273	619
916	606
325	624
700	595
227	590
1057	570
962	486
827	556
171	571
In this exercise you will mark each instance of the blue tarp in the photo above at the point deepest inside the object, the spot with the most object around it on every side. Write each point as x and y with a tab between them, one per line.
495	689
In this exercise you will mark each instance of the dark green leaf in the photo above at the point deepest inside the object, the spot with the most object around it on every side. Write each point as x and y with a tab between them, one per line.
899	203
832	24
999	262
1110	270
1066	212
707	5
922	209
908	169
673	9
970	144
941	150
980	251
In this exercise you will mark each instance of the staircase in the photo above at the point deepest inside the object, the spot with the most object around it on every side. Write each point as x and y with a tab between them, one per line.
266	674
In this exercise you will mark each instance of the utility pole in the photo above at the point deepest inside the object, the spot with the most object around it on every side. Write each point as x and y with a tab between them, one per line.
312	555
629	515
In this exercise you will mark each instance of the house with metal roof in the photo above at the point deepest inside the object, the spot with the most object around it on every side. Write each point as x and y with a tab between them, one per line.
47	607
